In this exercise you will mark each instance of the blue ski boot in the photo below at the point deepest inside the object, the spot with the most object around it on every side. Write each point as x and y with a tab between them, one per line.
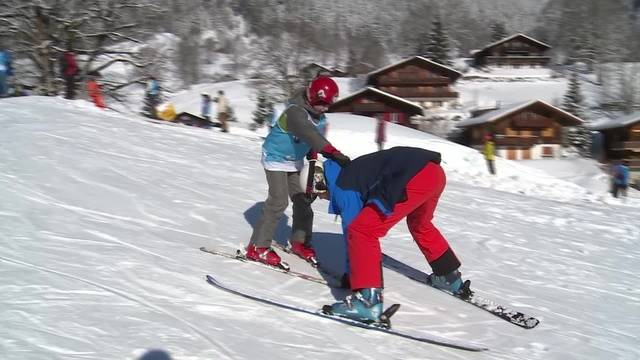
364	305
451	282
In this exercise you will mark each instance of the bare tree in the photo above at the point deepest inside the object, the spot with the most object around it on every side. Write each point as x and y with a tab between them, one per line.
99	31
280	61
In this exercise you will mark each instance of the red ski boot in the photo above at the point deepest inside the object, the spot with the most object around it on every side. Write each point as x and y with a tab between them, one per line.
305	252
265	255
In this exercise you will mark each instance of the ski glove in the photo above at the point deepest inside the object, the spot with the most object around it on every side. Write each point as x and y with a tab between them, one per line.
312	155
334	154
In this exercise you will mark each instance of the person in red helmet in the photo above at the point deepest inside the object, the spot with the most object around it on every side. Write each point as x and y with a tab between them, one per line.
296	132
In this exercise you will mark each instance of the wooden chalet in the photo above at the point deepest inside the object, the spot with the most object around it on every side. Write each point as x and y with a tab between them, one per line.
621	139
418	80
379	104
527	130
517	50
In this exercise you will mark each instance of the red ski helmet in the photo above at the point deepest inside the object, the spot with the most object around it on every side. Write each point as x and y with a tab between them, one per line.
322	91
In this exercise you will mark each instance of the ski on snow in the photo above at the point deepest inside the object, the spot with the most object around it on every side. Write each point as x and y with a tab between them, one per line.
510	315
239	255
426	338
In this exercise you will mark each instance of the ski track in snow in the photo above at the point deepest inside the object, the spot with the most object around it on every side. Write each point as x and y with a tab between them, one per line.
102	217
224	350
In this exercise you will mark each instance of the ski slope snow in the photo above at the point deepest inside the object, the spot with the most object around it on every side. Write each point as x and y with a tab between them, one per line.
102	215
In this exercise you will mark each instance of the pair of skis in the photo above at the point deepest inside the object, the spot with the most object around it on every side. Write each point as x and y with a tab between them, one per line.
512	316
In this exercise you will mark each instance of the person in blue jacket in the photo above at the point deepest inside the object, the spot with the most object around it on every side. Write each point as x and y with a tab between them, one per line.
295	133
621	179
6	71
372	194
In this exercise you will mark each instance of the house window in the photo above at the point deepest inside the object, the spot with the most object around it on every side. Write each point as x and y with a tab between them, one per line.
548	132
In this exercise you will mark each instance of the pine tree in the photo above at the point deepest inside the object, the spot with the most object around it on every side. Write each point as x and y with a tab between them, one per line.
578	136
263	110
438	49
498	31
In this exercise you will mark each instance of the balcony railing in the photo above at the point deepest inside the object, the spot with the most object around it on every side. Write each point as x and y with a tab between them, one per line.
417	93
525	141
626	145
414	82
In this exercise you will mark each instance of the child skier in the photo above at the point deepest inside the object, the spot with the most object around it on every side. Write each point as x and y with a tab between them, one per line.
372	194
296	132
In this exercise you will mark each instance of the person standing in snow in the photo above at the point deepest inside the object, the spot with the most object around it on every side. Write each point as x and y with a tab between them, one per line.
373	194
205	108
295	133
489	154
381	132
6	70
94	91
621	179
222	110
68	71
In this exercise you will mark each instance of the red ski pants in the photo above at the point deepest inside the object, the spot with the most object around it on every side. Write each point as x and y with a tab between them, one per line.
365	256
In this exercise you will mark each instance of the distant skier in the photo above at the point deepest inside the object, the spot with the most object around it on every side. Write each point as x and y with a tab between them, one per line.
489	154
6	70
222	110
205	108
94	91
296	132
621	179
381	133
372	194
68	71
153	96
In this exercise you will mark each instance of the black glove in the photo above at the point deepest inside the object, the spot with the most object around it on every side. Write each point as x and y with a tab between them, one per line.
342	159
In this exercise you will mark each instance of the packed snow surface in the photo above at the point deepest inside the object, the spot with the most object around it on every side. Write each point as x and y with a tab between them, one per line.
102	215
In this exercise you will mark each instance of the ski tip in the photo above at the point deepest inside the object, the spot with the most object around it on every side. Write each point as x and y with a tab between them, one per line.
530	323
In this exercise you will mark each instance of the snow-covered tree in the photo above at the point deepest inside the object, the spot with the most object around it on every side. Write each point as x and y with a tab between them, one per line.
264	109
100	32
498	31
438	49
578	136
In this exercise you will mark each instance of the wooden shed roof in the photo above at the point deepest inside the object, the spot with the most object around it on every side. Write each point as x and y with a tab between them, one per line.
417	109
452	73
616	123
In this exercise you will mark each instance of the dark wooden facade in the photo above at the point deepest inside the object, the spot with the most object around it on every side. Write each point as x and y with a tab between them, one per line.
375	103
529	130
516	50
621	140
417	79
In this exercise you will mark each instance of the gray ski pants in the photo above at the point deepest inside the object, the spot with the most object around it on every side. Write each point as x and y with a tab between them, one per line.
281	186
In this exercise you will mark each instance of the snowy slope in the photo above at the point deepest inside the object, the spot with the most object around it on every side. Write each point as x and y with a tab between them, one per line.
102	215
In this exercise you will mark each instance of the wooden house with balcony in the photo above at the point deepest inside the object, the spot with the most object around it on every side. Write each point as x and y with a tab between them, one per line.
527	130
517	50
419	80
621	139
378	104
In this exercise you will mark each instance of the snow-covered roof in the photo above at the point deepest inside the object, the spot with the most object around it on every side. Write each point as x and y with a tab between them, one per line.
381	93
623	121
497	114
457	74
508	38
